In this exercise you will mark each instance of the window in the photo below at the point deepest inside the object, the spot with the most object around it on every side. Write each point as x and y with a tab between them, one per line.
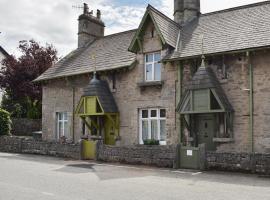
152	67
153	125
62	124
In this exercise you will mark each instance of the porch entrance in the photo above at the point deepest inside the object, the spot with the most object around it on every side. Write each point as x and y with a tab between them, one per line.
205	131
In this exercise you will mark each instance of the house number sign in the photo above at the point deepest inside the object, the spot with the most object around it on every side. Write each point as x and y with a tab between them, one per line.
189	152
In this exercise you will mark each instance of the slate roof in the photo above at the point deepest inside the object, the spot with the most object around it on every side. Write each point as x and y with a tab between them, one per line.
168	28
205	78
111	53
233	29
101	89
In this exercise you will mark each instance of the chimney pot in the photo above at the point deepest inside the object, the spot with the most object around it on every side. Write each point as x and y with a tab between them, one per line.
98	14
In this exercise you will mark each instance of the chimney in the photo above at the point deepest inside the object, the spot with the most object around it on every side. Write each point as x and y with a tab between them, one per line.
90	27
186	10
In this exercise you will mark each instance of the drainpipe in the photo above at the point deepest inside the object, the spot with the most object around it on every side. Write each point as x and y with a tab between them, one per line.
251	104
73	114
180	84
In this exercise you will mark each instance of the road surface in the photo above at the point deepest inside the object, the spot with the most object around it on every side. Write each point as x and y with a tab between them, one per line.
30	177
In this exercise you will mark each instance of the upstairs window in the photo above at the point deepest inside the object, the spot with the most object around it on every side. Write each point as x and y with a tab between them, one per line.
153	67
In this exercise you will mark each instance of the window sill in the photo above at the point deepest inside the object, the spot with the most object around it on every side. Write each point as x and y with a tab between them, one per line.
150	83
223	140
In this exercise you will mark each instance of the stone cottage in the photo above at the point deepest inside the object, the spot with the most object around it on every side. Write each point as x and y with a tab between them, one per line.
200	78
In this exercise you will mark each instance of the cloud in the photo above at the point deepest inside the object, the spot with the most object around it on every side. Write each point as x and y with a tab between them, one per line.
55	22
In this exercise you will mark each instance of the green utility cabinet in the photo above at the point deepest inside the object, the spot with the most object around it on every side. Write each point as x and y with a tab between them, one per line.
192	157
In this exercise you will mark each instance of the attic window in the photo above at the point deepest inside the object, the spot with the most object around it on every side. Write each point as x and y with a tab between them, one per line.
152	33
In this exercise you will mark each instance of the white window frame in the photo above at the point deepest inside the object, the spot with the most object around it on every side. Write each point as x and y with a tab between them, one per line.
152	63
148	119
63	121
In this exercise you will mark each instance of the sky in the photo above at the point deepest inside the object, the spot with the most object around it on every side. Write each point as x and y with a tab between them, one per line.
55	21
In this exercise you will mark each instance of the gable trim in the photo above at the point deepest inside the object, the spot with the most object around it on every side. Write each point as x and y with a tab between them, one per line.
136	37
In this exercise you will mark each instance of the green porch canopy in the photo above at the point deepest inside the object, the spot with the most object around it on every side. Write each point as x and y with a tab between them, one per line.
204	94
98	110
97	99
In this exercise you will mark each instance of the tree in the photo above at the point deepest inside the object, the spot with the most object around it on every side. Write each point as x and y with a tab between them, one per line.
16	78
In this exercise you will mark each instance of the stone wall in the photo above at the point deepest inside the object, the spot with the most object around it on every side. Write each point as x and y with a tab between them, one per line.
63	95
161	156
242	162
25	127
236	86
28	145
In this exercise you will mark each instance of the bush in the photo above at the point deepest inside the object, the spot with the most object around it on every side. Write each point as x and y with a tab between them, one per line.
5	122
151	142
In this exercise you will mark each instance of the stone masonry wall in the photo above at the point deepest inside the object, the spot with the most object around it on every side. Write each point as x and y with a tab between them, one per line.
24	145
243	162
63	95
236	87
25	127
161	156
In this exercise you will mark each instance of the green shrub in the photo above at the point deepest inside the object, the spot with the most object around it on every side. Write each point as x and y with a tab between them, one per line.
5	122
151	142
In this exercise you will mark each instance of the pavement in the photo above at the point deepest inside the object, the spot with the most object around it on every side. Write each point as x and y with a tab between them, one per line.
32	177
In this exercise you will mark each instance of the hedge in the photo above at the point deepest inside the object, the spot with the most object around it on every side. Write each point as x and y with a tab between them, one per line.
5	122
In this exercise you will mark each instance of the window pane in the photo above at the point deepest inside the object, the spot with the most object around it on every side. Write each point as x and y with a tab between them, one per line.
144	130
149	72
154	130
144	113
65	129
162	113
153	113
158	71
157	57
162	130
60	116
65	116
60	129
149	57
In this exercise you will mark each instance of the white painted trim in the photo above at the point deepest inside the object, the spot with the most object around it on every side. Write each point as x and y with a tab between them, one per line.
153	66
148	119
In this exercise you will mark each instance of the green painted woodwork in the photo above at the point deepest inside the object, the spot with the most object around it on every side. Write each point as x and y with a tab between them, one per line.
90	111
251	105
110	131
136	41
89	106
89	150
200	100
189	157
205	130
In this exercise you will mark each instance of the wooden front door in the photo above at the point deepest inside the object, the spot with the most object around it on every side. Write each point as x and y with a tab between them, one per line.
110	132
205	131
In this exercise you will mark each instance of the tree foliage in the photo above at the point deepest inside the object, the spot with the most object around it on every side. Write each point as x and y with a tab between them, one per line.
5	122
17	76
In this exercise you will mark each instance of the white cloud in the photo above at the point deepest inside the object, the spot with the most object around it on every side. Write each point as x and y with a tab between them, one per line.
56	21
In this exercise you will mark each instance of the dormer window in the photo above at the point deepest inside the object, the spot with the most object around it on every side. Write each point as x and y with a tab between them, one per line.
153	66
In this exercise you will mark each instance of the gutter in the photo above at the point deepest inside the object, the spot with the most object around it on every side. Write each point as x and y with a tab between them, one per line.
216	53
251	104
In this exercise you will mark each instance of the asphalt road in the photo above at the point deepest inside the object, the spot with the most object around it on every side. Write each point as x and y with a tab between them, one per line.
28	177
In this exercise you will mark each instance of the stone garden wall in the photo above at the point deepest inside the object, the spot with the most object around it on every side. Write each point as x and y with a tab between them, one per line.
161	156
31	146
242	162
25	127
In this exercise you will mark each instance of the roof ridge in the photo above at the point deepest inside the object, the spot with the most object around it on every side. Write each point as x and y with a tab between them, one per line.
118	33
162	14
237	8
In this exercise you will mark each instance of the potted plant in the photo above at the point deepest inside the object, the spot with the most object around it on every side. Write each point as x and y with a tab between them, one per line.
151	142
